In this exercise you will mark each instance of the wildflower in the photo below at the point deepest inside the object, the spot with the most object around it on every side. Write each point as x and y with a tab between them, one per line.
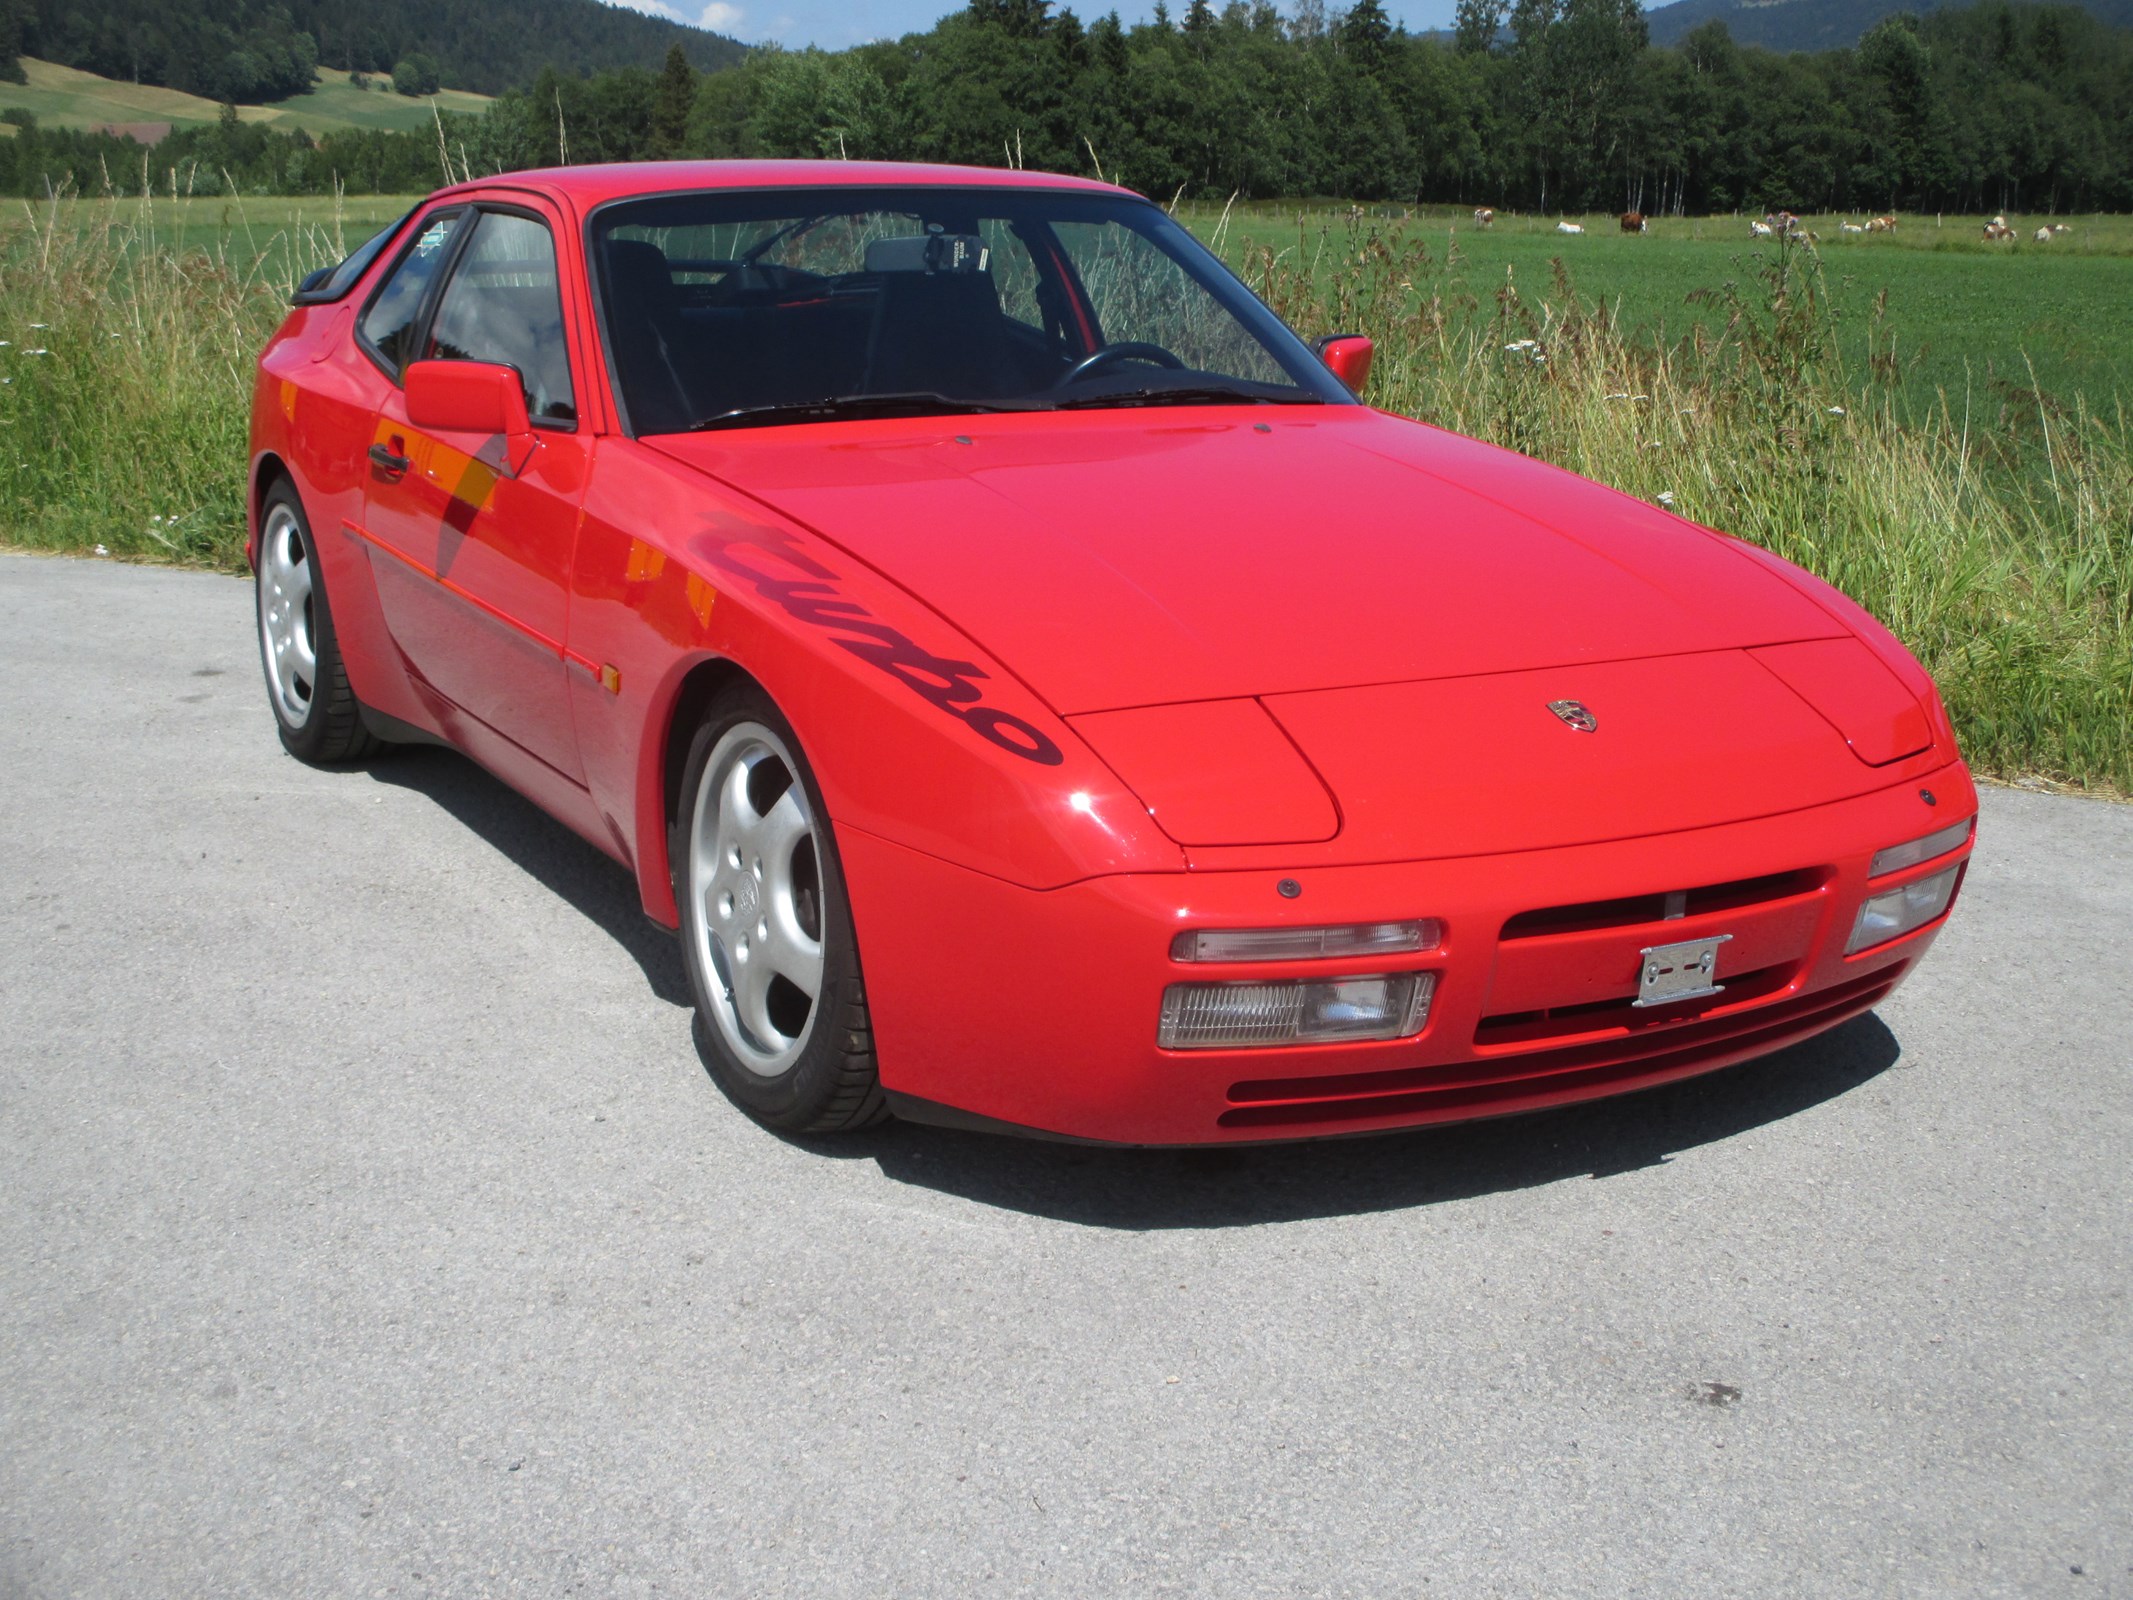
1836	411
100	550
4	343
1517	345
36	352
1666	498
40	326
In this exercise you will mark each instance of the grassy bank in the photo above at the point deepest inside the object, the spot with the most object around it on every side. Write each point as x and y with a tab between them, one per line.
1991	527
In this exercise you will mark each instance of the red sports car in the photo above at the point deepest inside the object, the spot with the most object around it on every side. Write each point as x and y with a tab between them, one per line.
1041	694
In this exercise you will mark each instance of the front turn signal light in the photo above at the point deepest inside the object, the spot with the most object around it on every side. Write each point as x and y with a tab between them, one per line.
1306	944
1248	1016
1898	856
1896	912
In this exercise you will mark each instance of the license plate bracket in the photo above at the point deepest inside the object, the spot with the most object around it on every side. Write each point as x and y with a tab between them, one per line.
1667	973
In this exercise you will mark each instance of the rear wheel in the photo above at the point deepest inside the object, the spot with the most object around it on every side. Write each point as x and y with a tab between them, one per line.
766	928
314	709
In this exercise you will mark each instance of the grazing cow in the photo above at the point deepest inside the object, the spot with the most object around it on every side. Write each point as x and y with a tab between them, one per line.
1483	217
1633	222
1570	227
1997	229
2060	227
1759	230
2044	236
1849	227
1882	225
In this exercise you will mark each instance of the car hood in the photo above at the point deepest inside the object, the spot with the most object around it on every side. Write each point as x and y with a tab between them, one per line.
1141	557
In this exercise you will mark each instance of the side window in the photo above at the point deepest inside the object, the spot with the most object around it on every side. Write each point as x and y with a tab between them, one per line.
389	324
503	304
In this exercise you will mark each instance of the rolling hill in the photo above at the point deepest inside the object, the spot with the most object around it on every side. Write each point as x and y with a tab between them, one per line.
64	97
1814	24
258	50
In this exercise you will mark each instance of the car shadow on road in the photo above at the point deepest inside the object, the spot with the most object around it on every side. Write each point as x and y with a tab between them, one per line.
594	884
1215	1187
1237	1186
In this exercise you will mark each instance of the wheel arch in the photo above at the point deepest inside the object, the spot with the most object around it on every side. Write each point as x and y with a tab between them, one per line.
267	470
659	802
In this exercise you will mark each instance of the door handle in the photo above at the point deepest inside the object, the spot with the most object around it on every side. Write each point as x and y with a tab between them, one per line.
388	460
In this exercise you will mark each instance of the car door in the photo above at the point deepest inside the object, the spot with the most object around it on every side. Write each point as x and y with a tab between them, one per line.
477	595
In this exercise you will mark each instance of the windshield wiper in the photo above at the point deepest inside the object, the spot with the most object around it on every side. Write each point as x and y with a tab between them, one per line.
1198	394
837	408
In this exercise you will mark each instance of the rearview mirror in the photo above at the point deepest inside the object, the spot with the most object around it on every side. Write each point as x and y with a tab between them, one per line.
466	397
1347	356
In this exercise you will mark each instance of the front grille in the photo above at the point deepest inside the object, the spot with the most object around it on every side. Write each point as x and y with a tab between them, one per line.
1566	973
1637	910
1530	1079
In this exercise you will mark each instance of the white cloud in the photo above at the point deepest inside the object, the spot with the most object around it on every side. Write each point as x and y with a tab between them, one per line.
654	8
720	17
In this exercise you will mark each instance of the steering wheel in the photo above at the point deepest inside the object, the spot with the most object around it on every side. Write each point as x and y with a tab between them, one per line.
1111	354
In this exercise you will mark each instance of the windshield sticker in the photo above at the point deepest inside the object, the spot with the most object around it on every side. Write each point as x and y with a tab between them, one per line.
948	685
433	237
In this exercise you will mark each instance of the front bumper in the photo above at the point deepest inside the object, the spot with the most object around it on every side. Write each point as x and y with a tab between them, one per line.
996	1004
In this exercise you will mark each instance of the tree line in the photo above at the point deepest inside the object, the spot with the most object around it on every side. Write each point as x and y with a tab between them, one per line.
1541	105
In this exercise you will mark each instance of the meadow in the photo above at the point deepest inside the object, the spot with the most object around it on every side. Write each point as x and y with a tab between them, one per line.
61	97
1938	429
1954	313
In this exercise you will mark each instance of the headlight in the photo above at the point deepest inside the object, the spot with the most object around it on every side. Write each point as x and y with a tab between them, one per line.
1898	856
1305	944
1234	1016
1897	912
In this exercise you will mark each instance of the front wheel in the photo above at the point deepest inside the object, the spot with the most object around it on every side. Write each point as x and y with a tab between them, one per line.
766	929
315	711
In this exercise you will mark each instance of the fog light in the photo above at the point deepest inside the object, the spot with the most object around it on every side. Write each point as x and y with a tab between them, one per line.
1898	856
1305	944
1232	1016
1896	913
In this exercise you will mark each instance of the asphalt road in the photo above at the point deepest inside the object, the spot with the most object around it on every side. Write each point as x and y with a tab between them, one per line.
369	1226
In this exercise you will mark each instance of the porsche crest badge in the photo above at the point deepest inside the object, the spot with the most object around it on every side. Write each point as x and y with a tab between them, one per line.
1574	713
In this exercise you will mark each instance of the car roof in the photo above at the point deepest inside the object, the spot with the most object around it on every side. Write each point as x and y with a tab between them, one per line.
592	185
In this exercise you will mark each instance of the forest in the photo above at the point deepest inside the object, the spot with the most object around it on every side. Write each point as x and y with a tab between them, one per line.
1542	105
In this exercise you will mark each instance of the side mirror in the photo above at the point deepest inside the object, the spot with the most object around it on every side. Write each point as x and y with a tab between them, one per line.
466	397
1347	356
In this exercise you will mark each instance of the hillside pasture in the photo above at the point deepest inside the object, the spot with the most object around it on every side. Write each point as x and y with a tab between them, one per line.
61	97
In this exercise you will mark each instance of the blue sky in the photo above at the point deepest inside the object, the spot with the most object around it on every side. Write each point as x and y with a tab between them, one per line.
833	24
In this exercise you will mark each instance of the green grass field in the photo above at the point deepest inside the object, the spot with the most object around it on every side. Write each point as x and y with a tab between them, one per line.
1995	538
1959	313
61	97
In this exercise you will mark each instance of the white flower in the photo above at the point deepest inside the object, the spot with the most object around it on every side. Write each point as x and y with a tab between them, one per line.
155	519
1836	411
36	352
40	326
1666	498
100	550
4	343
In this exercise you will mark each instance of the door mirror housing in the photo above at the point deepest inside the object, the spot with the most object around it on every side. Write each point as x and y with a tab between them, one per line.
1347	356
467	397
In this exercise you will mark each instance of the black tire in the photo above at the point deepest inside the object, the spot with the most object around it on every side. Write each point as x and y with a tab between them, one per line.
316	714
821	1078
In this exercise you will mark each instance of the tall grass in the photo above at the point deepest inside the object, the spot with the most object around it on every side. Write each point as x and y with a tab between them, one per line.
126	373
1995	535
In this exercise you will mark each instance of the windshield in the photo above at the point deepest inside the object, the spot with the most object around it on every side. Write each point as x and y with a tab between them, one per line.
774	307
